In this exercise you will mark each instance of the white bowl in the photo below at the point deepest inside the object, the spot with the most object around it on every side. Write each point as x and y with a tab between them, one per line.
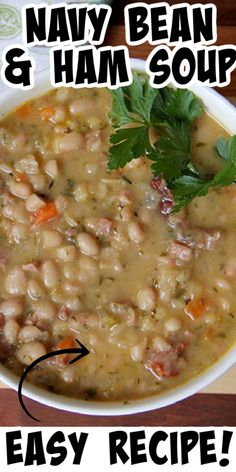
225	113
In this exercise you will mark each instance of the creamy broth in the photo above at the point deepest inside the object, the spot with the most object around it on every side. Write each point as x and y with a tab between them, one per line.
87	254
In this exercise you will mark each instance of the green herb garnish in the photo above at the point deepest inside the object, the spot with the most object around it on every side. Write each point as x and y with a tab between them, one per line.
138	108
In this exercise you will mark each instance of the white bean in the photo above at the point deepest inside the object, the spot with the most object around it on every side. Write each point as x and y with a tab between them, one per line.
94	142
59	114
126	214
59	327
20	232
11	308
87	244
109	260
99	190
167	282
88	270
62	94
33	203
5	168
230	267
16	282
8	211
20	189
57	296
30	351
172	325
39	183
51	239
81	193
222	284
137	352
70	271
51	168
10	331
210	318
45	310
71	288
147	298
72	222
146	215
59	129
80	105
69	374
67	142
194	290
135	163
223	303
29	333
91	168
50	274
67	253
135	232
27	164
35	290
73	303
61	203
160	344
147	324
20	214
94	123
178	304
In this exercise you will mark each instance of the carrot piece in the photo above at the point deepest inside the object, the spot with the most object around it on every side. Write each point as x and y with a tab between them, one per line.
21	177
209	333
66	343
24	110
46	114
45	213
158	369
195	308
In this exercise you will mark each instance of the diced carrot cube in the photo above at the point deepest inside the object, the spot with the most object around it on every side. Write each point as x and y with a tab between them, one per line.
21	177
24	111
195	308
66	343
45	213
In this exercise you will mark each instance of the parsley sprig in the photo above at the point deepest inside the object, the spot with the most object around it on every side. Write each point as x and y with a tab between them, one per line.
189	186
138	108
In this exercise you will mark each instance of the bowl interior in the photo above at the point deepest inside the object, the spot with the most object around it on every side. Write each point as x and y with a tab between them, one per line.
225	113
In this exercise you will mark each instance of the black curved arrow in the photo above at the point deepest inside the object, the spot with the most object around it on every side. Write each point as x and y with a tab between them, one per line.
82	351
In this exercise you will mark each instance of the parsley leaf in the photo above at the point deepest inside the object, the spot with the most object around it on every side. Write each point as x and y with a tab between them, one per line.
188	187
223	148
128	144
139	107
132	104
169	111
171	153
140	97
119	115
179	104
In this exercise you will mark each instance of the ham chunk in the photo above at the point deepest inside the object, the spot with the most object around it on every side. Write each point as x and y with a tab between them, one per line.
166	202
33	266
164	364
4	256
181	251
100	226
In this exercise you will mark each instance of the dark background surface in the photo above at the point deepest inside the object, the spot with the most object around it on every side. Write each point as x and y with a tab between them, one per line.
226	9
226	31
199	410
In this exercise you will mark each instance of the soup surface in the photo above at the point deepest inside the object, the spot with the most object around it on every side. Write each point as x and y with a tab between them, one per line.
87	254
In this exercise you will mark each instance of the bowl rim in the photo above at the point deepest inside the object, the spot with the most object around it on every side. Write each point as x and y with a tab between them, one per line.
211	100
